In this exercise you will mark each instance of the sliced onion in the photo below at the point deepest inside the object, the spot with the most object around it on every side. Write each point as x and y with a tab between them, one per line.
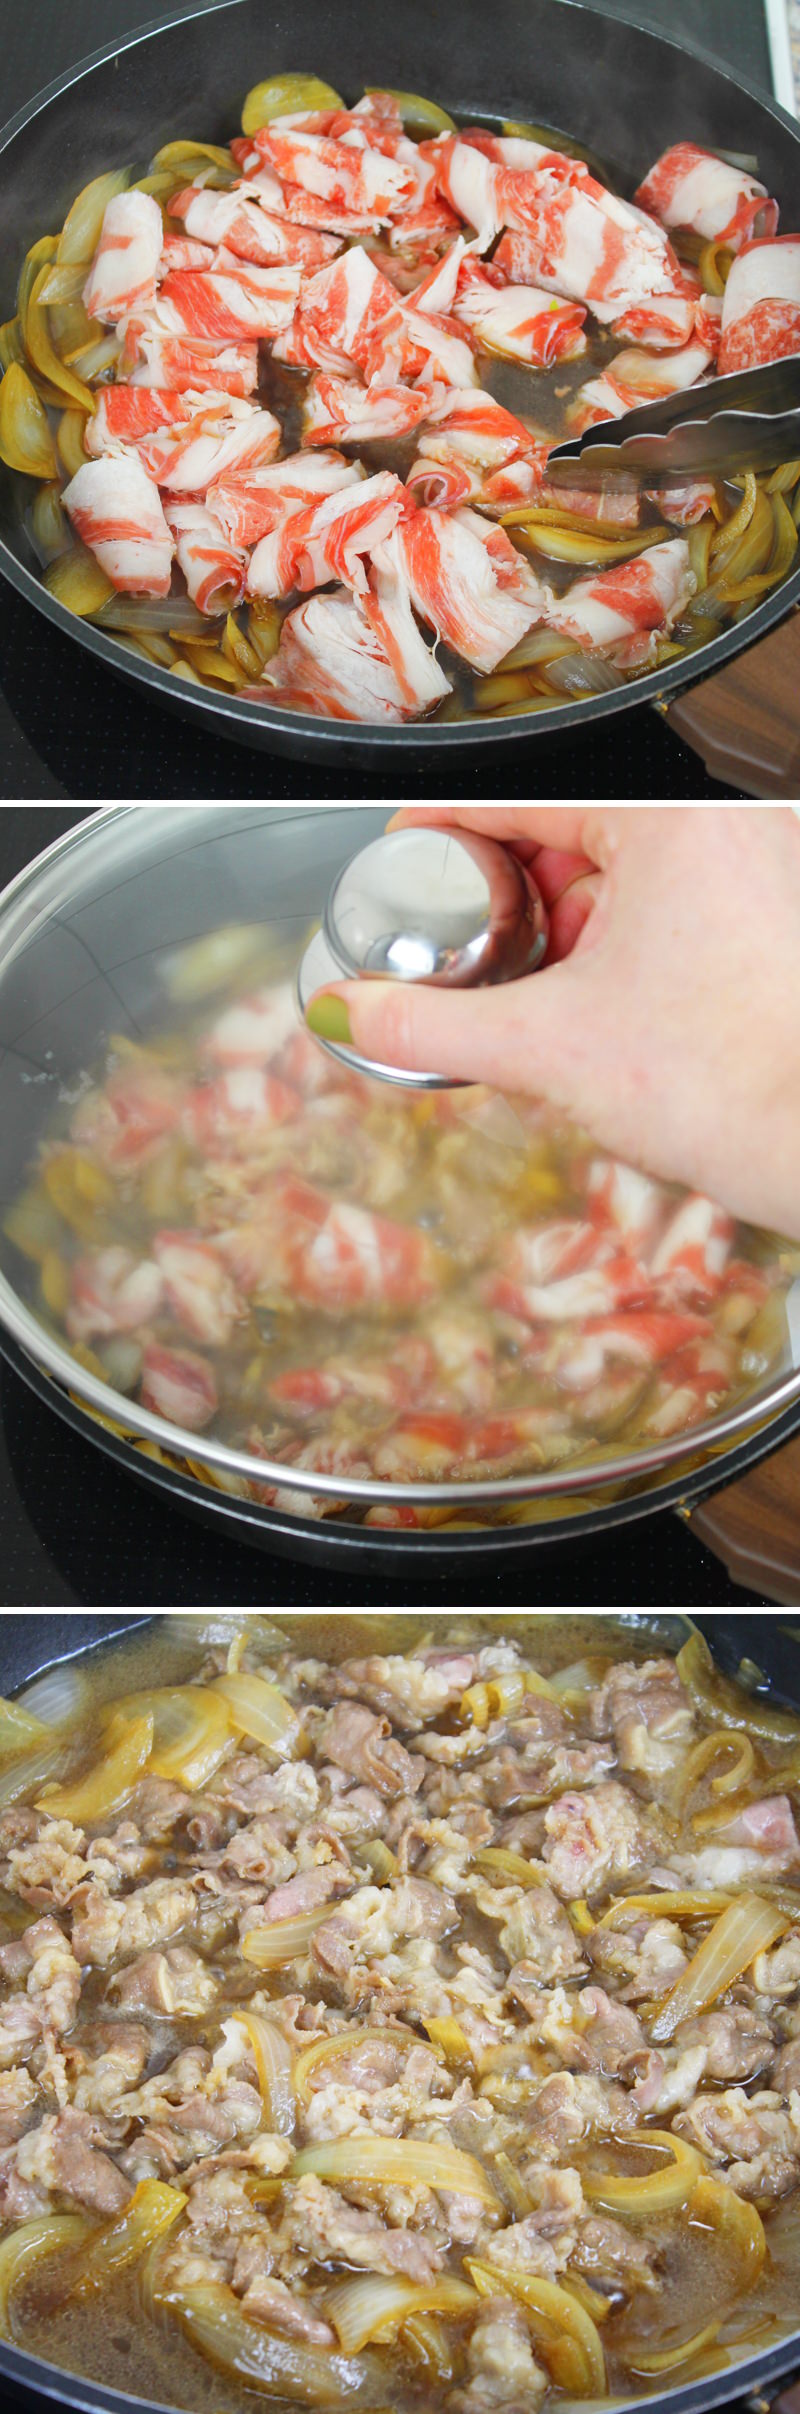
667	2359
175	155
152	2210
77	581
248	2352
583	674
713	2205
172	615
421	118
671	1904
258	1709
18	1727
41	350
377	2162
49	525
107	1786
283	1941
94	359
569	2339
510	1866
273	2060
747	1927
374	2307
284	96
83	224
380	1859
40	256
28	1769
192	1732
424	2338
661	2191
64	284
11	345
58	1696
25	440
27	2246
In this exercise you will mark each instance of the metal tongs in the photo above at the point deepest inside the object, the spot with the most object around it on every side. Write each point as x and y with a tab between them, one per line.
748	421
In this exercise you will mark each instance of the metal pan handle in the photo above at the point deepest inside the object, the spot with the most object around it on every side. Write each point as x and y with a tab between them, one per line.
744	721
753	1526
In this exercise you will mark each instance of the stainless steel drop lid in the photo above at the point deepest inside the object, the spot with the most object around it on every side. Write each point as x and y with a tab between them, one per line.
436	907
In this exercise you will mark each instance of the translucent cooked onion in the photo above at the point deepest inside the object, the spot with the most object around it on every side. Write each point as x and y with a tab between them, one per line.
582	545
286	95
738	1757
375	2162
41	350
671	1904
569	2339
583	675
273	2060
283	1941
83	224
65	284
260	2358
424	2339
258	1709
724	1703
511	1866
18	1727
747	1927
107	1786
27	1769
25	440
173	615
376	2308
667	2359
661	2191
58	1696
27	2246
380	1859
49	525
192	1732
715	2206
447	2037
77	581
152	2210
421	118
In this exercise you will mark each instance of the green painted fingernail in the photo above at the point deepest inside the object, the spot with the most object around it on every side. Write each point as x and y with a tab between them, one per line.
328	1016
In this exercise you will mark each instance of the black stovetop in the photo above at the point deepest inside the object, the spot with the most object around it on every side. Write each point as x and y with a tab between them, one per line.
69	729
77	1532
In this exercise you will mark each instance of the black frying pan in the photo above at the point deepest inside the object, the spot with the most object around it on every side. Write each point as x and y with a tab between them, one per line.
623	93
31	1643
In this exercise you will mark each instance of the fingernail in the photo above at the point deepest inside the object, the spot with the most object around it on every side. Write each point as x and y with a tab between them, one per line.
328	1017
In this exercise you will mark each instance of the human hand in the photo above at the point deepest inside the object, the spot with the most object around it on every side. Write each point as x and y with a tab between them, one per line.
666	1017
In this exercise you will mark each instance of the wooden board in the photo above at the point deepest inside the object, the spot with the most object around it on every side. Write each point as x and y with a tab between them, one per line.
754	1528
744	721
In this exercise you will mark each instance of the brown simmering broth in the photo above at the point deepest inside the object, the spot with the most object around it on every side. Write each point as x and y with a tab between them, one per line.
370	1282
126	2340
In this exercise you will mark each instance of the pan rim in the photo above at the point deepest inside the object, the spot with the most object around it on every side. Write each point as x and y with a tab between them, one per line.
267	726
37	1344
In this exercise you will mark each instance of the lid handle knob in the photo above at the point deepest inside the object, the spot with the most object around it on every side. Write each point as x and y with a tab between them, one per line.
437	906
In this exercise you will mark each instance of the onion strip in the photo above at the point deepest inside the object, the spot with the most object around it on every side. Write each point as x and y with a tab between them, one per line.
512	1866
713	2205
661	2191
667	2359
680	1905
270	1948
152	2211
747	1927
18	1727
273	2060
374	2307
107	1786
26	2246
192	1731
378	2162
569	2339
258	1709
248	2352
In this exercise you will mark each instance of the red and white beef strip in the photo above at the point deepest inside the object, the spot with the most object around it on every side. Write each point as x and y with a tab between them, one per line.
761	304
116	510
692	189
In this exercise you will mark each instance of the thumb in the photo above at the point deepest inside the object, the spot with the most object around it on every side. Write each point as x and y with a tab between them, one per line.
521	1036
